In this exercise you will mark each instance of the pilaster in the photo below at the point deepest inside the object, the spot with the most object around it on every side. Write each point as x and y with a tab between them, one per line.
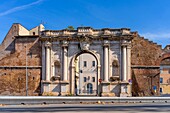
129	69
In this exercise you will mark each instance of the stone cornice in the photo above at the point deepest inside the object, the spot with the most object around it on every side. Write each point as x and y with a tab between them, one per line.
94	34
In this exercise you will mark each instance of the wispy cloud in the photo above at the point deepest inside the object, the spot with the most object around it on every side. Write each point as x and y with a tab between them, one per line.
156	36
19	8
160	38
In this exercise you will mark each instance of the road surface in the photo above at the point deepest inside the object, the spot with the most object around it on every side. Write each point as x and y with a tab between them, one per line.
88	108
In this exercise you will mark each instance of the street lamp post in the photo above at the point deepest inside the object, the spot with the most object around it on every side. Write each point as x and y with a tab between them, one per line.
26	71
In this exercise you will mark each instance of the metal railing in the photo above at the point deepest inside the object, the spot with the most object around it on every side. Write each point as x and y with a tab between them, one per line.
14	100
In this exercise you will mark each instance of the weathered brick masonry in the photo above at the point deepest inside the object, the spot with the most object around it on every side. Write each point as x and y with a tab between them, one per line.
13	67
145	66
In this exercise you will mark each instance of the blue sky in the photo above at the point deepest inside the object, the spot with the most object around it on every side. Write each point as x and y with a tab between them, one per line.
151	18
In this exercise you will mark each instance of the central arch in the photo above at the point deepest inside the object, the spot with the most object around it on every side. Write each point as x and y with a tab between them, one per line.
74	75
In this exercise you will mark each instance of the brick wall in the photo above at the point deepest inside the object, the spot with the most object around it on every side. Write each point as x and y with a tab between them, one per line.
13	68
145	53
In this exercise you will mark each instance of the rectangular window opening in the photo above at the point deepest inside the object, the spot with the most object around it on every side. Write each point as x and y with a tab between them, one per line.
30	54
85	64
93	63
93	79
85	79
161	80
160	90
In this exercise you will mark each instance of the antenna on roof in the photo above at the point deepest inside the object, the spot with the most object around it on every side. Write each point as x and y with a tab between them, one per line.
43	23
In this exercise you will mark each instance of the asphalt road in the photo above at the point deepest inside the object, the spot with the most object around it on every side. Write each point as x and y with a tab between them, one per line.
88	108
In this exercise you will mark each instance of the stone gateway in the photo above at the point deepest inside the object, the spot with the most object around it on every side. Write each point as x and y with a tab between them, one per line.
84	61
79	58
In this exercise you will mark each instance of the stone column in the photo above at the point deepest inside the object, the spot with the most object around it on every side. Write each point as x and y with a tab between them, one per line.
65	62
124	64
48	47
106	60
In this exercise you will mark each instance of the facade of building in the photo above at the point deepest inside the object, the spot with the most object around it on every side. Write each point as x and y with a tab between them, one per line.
85	56
165	72
84	61
20	51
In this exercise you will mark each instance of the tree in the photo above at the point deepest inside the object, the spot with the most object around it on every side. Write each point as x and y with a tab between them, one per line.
70	28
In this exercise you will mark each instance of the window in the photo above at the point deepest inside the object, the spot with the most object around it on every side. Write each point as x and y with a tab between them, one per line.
93	63
85	64
30	54
161	80
93	79
85	79
81	71
160	90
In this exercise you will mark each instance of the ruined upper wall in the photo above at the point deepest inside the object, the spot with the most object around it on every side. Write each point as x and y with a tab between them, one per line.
10	36
145	52
8	44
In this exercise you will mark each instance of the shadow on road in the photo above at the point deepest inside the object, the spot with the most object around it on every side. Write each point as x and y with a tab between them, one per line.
89	108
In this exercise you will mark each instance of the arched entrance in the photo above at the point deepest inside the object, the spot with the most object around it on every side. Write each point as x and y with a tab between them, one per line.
86	79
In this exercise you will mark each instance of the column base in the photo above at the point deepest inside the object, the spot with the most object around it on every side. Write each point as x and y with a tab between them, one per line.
46	81
124	94
124	89
64	82
64	88
50	94
105	87
108	94
50	88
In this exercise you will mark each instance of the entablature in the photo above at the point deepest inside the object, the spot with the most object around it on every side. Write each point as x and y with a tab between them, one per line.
95	34
77	37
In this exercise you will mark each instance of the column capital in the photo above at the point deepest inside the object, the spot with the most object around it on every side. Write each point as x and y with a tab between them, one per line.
125	43
106	43
129	46
48	44
64	43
